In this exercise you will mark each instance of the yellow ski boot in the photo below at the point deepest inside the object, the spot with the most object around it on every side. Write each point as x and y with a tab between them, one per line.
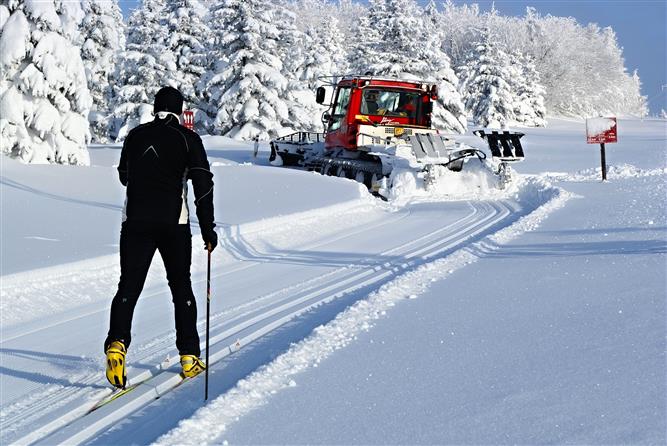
192	366
116	364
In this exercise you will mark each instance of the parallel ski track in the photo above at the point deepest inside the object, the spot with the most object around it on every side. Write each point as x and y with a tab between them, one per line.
25	412
266	313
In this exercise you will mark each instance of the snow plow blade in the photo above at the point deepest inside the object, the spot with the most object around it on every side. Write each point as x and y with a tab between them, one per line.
435	149
293	149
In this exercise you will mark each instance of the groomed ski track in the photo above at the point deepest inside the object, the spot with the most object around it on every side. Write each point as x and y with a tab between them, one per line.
301	288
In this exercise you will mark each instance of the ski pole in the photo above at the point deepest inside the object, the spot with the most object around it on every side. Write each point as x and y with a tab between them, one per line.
208	315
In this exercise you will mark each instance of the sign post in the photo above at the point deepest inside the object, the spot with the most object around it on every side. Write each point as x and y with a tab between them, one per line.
189	119
601	131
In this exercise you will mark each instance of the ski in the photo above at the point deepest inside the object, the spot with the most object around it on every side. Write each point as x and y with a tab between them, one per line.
184	379
117	393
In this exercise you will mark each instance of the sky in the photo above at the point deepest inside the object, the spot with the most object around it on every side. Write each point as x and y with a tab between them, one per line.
639	26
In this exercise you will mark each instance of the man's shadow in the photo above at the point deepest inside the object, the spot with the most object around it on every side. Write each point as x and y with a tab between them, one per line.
68	362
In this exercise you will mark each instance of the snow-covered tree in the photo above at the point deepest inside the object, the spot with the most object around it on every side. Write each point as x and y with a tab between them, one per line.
102	40
146	66
486	88
400	43
44	96
321	55
529	107
246	89
326	54
186	38
634	103
461	23
364	53
581	67
575	62
448	112
348	13
295	50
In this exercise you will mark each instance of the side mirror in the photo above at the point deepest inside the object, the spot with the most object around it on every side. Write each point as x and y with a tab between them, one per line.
319	96
428	107
326	117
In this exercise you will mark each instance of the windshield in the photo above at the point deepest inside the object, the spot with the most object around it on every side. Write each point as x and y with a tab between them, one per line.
390	103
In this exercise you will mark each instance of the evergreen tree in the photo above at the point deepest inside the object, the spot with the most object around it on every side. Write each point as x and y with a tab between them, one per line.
633	102
347	13
146	66
103	39
323	56
402	41
409	47
448	112
246	88
326	55
364	54
186	39
528	92
295	51
44	96
431	14
487	92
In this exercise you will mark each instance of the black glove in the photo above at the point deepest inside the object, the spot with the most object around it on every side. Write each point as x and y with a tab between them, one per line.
210	238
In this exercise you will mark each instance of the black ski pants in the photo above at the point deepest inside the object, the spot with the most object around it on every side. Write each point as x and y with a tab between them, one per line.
138	242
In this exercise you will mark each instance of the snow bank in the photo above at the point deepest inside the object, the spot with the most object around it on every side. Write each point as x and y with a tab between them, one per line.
475	182
614	172
211	421
597	126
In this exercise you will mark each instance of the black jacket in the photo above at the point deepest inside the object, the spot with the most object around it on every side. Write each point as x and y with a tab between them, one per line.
156	161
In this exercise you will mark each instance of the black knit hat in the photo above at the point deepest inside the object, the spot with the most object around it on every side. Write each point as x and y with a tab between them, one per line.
168	99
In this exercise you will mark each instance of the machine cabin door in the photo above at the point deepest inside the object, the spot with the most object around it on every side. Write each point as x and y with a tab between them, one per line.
336	133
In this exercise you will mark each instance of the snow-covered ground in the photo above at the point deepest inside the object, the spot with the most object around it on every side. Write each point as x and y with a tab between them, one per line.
532	316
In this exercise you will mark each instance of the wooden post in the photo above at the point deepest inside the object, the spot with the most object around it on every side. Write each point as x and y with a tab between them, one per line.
603	162
601	131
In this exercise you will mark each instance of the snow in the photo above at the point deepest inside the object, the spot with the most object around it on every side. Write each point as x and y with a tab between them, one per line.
487	357
4	15
467	315
44	80
14	38
207	424
597	126
43	11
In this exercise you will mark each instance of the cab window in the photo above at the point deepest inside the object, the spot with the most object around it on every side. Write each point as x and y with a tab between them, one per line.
340	108
390	103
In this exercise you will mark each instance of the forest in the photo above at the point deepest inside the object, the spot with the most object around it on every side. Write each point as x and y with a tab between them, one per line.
77	72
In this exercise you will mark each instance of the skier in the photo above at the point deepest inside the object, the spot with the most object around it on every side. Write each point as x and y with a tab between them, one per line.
156	161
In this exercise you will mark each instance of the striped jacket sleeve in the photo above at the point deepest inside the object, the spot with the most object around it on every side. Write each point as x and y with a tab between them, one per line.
202	182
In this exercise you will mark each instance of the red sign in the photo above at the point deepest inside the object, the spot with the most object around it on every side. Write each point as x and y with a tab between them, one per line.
189	119
601	130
